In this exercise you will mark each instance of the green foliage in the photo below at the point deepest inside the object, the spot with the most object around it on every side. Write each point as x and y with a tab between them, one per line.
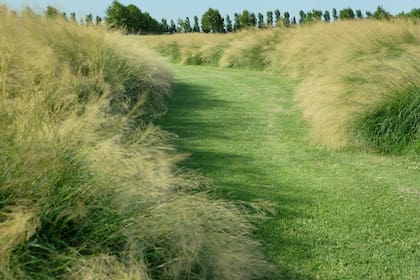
286	19
229	26
73	16
394	125
252	20
302	16
346	14
314	16
334	14
327	16
245	19
52	12
196	27
277	17
212	21
269	18
131	18
172	27
414	13
89	20
237	24
381	14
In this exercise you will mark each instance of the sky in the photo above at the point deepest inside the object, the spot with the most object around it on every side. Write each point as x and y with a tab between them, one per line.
170	9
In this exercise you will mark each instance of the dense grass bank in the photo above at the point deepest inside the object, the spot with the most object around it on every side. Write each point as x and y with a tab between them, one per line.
89	188
356	77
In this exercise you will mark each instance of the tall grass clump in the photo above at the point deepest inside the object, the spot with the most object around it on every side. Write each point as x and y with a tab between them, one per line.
356	77
188	48
89	187
247	49
394	125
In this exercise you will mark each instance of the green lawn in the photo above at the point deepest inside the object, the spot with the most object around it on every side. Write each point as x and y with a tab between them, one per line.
341	215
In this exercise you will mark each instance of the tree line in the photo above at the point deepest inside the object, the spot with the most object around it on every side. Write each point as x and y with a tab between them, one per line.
134	21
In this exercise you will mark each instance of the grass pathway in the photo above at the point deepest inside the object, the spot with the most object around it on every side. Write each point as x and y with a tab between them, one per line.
341	215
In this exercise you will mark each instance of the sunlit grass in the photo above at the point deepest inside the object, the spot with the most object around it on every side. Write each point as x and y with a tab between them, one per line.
346	70
89	187
339	215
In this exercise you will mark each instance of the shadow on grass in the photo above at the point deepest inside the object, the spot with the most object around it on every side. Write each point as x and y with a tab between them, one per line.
235	176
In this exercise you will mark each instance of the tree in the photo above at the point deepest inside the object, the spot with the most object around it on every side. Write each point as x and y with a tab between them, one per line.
116	15
261	20
229	26
286	19
172	27
89	20
414	13
237	25
245	19
334	14
369	14
98	20
294	22
347	13
327	16
314	16
73	16
269	19
136	22
252	20
359	14
302	16
212	21
131	18
196	27
165	26
180	26
51	12
277	15
187	25
381	14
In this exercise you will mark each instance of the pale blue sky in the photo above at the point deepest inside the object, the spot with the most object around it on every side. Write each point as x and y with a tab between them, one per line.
173	9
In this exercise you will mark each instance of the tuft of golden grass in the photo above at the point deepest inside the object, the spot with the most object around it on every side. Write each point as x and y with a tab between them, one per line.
89	187
347	69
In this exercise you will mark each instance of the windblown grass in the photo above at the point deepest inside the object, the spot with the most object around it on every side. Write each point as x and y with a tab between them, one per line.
347	71
89	188
247	49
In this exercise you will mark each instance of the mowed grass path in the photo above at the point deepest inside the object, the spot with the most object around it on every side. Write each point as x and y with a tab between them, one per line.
341	215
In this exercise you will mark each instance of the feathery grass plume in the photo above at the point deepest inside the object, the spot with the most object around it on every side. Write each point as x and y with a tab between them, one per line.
89	187
189	49
250	49
17	225
104	267
348	70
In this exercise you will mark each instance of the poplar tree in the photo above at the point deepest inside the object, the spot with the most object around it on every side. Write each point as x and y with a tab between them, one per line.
196	27
278	16
334	14
261	20
229	27
327	16
269	19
